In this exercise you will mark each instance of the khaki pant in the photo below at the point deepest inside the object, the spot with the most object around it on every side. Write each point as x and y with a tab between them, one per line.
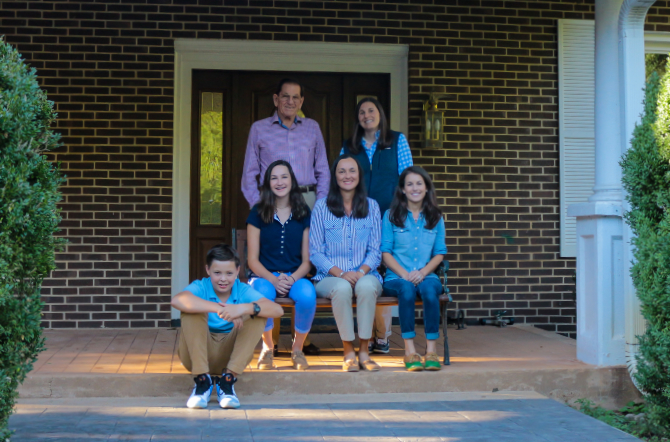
201	351
310	199
340	293
383	322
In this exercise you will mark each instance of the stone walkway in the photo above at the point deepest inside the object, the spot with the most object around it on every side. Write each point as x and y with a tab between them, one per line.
427	417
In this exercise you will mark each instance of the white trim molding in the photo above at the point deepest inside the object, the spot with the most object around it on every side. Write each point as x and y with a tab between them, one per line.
656	42
264	56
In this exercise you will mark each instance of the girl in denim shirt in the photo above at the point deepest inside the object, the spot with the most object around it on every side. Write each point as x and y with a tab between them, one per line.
412	248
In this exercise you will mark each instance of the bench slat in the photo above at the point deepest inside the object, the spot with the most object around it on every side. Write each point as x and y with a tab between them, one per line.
325	303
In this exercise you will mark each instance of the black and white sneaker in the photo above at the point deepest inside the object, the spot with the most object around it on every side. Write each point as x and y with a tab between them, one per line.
201	392
225	391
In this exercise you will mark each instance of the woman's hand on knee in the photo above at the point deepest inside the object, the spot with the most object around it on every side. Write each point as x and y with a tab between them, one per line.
352	277
415	277
281	285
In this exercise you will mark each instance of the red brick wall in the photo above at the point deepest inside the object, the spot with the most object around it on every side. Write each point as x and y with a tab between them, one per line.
108	65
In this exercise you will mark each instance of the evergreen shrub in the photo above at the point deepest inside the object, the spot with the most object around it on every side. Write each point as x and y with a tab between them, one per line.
646	178
28	220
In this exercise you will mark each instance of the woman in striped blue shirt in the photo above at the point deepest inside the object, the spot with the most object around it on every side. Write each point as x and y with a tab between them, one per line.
344	240
383	154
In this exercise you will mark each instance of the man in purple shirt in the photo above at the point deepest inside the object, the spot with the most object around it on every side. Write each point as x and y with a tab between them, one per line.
287	136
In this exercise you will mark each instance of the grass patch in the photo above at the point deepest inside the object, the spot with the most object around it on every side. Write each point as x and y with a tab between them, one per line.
630	419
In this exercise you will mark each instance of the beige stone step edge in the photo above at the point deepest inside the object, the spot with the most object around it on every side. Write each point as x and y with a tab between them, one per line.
608	386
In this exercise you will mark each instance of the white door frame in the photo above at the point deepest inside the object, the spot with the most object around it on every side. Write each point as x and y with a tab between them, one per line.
263	56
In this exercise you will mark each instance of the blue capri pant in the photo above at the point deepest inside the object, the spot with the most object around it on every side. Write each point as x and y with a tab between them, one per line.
430	290
302	293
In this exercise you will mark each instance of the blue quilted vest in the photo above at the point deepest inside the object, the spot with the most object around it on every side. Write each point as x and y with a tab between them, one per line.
381	177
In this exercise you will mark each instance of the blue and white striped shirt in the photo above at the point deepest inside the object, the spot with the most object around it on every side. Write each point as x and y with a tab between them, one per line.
404	154
345	242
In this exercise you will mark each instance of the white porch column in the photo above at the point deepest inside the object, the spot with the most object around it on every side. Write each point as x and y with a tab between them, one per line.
607	308
631	50
600	313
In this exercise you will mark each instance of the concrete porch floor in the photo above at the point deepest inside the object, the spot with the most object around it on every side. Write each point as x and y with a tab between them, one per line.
143	362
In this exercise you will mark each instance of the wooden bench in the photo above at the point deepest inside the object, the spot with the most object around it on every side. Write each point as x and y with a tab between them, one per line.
240	245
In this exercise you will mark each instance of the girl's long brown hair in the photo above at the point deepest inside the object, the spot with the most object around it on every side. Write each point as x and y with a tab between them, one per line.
266	205
430	209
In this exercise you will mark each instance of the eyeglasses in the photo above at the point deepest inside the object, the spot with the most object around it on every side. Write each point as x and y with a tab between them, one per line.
289	97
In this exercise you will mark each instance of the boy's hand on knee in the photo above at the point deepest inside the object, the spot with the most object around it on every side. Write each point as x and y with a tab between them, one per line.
238	323
230	312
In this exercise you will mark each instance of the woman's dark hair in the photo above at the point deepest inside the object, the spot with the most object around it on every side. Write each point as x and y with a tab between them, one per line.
334	200
266	205
385	136
222	252
430	209
288	81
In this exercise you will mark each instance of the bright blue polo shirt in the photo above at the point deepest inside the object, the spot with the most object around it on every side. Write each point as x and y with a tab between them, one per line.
241	293
412	245
280	244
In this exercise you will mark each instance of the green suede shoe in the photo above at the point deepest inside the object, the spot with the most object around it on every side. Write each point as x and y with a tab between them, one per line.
413	362
432	362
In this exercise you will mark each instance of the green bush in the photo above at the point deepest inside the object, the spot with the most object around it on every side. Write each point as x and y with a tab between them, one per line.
646	178
638	425
28	220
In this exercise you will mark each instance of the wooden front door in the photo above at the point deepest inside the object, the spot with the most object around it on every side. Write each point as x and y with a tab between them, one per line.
224	105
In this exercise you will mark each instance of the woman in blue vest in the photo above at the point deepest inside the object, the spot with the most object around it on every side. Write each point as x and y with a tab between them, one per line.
412	248
383	154
278	255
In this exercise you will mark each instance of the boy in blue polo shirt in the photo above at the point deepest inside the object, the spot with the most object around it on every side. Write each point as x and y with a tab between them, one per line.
222	320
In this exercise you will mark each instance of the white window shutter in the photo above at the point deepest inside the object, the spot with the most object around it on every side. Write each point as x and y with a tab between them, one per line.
576	122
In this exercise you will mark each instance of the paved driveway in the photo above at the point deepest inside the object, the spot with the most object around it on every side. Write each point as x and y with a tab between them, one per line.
471	417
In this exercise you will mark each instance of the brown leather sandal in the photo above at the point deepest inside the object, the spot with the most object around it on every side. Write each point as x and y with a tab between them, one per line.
369	365
350	365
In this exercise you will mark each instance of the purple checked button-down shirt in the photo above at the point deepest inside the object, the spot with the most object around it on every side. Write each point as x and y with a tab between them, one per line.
301	145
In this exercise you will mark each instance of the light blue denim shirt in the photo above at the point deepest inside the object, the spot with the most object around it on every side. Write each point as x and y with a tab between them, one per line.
412	245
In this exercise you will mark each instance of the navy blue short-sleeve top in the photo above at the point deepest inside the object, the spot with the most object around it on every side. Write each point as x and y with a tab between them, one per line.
280	245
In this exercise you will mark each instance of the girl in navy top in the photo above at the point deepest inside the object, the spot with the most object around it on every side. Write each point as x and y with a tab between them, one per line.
412	248
278	255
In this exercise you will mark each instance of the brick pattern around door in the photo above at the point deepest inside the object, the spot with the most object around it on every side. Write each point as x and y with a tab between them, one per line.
109	67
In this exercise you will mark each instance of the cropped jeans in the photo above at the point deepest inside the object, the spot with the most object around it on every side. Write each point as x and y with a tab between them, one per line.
302	292
429	290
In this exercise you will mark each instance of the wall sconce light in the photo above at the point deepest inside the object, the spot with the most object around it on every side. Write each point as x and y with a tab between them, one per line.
432	121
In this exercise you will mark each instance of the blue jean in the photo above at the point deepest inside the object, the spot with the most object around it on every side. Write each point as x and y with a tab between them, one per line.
302	293
430	290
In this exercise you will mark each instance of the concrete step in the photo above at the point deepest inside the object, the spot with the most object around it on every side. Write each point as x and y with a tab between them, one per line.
605	385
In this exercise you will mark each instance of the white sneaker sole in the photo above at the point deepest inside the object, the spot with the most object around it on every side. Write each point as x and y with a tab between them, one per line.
196	403
229	403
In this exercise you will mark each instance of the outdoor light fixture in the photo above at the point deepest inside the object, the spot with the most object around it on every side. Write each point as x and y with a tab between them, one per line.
432	121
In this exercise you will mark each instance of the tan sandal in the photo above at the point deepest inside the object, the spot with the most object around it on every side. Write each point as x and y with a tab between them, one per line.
369	365
350	365
299	360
